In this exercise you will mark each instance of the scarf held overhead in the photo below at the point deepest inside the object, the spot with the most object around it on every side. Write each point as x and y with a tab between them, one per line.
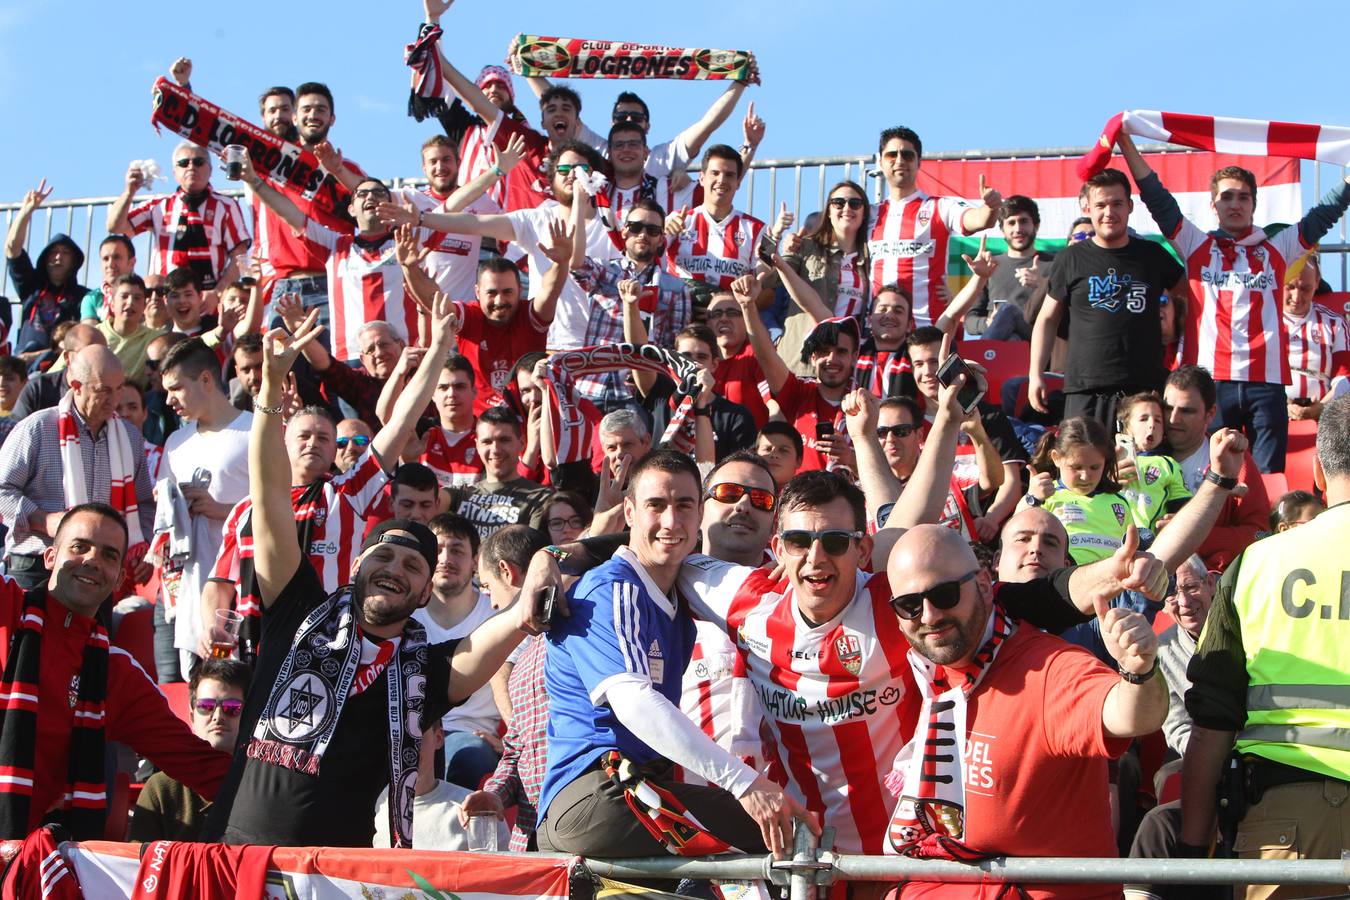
573	432
537	56
286	165
1250	137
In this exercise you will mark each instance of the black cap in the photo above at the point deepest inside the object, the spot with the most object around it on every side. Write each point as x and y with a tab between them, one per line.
419	537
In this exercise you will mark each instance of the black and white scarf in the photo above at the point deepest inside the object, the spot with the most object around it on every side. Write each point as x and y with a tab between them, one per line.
84	803
322	671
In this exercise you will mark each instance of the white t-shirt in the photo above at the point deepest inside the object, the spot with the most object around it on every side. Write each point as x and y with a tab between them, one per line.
662	160
479	712
453	261
435	820
568	330
1193	467
221	456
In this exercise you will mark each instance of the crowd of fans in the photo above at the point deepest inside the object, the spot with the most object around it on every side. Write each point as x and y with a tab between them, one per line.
567	357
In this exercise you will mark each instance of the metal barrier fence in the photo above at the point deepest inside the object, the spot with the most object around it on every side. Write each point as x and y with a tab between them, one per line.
802	183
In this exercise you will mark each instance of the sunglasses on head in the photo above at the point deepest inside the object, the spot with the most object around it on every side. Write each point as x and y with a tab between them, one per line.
230	708
637	228
731	492
194	161
850	202
944	595
834	541
906	155
567	167
359	440
900	431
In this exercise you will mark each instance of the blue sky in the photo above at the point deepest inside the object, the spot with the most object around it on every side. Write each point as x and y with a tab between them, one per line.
75	76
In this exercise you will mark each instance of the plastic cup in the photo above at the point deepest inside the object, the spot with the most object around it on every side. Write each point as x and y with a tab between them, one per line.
234	161
228	623
483	833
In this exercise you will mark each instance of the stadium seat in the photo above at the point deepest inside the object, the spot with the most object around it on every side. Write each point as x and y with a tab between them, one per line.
1001	359
1298	463
1336	301
1277	485
136	635
176	692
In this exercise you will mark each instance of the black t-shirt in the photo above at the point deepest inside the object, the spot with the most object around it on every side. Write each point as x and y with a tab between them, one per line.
261	803
1115	331
733	426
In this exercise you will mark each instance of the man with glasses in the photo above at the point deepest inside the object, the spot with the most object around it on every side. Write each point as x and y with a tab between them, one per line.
633	285
194	227
167	809
1015	727
910	229
353	437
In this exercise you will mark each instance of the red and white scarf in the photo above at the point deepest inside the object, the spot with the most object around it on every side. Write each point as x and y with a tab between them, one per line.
535	56
929	776
121	471
573	432
1249	137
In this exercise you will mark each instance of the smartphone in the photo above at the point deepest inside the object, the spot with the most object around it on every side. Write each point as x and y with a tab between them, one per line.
1302	401
824	431
546	601
766	248
971	394
1125	442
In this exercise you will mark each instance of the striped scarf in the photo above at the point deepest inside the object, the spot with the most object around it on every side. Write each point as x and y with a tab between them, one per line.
1249	137
121	471
661	813
84	803
430	88
573	433
929	776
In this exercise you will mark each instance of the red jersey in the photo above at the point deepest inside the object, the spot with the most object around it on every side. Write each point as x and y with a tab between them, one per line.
166	217
717	696
453	457
712	251
908	246
493	349
804	406
839	697
284	252
136	713
1036	762
737	378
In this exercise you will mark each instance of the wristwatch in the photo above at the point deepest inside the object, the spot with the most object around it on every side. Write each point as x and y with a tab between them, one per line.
1032	500
703	411
1138	679
1223	481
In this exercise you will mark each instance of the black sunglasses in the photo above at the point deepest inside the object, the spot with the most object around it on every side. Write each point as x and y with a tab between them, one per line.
944	595
194	161
900	431
835	541
850	202
637	228
152	365
726	312
359	440
731	492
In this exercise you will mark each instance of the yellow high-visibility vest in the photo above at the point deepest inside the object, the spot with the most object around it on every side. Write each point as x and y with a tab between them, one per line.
1292	596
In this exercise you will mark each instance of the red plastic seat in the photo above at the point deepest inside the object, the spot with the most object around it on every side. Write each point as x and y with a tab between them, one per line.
136	635
1298	463
176	692
1277	485
1001	359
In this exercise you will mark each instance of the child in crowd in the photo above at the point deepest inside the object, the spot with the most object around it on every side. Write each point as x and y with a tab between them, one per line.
1294	508
1152	482
1075	480
782	448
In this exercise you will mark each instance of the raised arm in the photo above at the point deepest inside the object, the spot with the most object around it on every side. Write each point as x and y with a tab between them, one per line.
1162	206
292	313
416	281
978	218
275	200
1192	524
559	251
635	330
276	554
745	289
398	428
982	267
875	476
494	226
508	158
697	134
17	235
394	385
118	223
1042	342
466	89
801	291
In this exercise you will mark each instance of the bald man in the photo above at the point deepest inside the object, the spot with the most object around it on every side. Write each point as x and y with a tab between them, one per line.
1033	544
45	389
1016	725
34	492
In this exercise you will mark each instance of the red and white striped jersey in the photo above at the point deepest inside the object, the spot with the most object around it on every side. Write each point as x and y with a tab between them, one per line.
839	697
1312	340
718	697
363	285
477	155
338	523
617	200
850	297
715	252
452	456
453	260
281	251
908	245
165	218
1235	325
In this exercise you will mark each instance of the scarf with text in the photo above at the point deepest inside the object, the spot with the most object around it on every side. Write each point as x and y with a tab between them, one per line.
666	819
536	56
1248	137
84	804
289	167
929	776
573	432
322	671
121	471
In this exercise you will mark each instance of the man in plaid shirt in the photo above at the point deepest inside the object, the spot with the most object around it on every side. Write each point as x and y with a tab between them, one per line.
519	777
632	285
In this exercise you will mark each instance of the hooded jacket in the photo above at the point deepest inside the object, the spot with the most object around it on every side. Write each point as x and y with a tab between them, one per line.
36	292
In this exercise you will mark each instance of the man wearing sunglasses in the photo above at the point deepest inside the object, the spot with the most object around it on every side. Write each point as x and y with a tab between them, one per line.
910	229
167	809
1015	725
194	226
353	437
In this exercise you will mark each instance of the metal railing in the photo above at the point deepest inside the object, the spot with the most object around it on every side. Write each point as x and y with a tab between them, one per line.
802	182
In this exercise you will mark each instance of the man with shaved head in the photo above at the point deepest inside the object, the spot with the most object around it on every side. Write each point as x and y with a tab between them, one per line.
78	452
1016	726
45	389
1033	544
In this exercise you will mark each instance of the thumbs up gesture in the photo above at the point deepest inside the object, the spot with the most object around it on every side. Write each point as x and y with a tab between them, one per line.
1030	276
1127	634
783	222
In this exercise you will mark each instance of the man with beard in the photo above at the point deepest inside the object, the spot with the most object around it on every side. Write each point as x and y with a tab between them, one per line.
812	405
1012	297
503	497
324	741
195	226
883	366
631	286
353	437
1015	725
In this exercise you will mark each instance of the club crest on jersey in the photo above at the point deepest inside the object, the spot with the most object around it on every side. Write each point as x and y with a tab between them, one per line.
1150	475
1119	510
922	219
849	651
468	455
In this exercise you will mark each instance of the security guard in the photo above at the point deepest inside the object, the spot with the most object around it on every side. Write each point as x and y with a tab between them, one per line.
1271	676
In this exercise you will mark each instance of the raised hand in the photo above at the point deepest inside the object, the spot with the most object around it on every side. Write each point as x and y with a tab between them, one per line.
675	222
330	157
706	388
444	317
290	309
745	289
984	264
406	248
280	348
38	196
630	290
1134	571
1030	277
861	409
784	220
510	156
1227	452
1041	485
794	242
291	401
135	179
753	126
394	214
559	244
434	9
991	197
181	71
